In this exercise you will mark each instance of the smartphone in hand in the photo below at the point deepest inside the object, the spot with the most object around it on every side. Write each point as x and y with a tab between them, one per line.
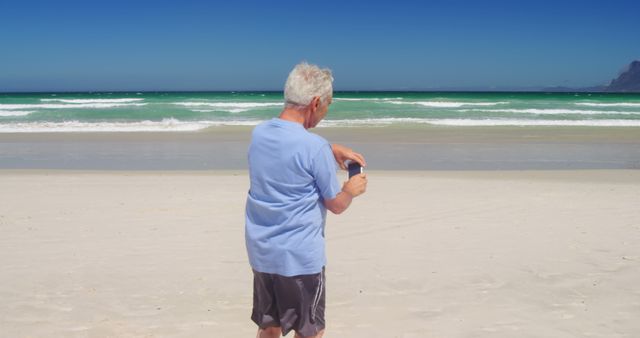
354	169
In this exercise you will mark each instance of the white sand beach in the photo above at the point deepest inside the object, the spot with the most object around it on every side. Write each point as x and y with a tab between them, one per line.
421	254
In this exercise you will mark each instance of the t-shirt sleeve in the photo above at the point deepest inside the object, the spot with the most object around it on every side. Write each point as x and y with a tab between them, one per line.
324	170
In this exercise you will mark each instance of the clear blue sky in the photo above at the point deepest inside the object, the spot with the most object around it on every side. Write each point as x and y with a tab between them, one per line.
370	45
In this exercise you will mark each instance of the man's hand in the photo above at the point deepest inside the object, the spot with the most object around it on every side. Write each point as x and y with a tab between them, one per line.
342	153
356	185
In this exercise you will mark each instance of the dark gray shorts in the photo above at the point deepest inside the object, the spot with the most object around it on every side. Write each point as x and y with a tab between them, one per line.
292	303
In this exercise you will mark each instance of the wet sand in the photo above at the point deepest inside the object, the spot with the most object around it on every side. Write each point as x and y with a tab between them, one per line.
386	148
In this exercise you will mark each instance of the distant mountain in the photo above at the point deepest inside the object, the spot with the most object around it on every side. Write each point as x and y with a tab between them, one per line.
628	81
560	89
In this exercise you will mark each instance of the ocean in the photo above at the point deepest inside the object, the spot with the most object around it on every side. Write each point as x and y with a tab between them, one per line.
184	111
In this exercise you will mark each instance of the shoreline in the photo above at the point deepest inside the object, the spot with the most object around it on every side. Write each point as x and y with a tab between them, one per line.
414	130
386	148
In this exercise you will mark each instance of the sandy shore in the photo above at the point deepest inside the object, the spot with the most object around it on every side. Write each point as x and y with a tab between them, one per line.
422	254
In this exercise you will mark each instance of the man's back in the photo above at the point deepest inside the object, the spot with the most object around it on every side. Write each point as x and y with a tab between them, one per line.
291	172
293	183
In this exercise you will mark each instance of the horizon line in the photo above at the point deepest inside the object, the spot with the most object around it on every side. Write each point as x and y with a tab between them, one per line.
549	90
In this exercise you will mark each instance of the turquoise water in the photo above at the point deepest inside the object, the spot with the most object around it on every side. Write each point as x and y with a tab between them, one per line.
86	112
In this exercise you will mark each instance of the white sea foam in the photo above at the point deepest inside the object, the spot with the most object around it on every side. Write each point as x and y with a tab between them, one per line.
229	110
15	112
552	111
173	125
69	106
618	104
365	99
230	105
447	104
123	100
351	99
370	122
479	122
495	122
166	125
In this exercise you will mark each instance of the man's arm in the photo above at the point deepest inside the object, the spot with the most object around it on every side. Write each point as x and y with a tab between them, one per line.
342	153
354	187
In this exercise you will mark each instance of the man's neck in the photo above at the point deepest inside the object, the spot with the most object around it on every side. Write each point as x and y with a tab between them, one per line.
293	115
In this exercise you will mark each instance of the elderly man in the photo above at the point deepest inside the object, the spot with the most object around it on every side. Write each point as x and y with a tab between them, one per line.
293	182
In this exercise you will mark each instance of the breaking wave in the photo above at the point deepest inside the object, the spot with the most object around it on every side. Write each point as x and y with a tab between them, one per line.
447	104
619	104
166	125
123	100
245	105
479	122
551	111
69	106
15	112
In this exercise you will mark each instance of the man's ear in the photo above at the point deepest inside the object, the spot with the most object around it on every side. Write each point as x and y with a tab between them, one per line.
315	103
307	117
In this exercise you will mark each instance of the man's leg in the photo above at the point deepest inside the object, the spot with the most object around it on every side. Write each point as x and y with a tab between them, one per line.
301	301
264	311
270	332
319	335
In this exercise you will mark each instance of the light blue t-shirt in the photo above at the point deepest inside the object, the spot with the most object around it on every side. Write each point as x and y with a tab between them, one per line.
291	172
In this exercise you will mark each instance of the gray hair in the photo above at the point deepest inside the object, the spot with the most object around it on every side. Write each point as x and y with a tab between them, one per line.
305	82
